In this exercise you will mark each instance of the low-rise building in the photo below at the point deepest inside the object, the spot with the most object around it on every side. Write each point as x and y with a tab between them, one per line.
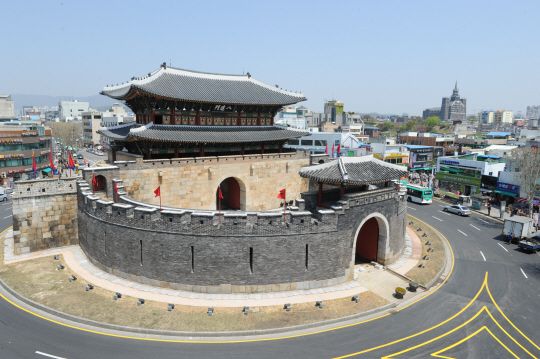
325	142
465	174
18	143
391	153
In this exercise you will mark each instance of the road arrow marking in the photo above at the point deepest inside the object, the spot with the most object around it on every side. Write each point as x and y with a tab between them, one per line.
438	219
502	247
460	231
523	272
483	256
472	225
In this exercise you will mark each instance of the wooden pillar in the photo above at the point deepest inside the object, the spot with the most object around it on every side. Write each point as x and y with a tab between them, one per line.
173	114
262	148
320	195
113	154
341	191
242	149
198	118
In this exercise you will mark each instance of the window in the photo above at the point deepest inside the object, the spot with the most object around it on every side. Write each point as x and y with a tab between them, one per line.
192	259
320	142
307	256
306	142
251	260
293	142
140	248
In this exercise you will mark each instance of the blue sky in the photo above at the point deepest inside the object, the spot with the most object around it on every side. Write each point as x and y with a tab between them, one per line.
376	56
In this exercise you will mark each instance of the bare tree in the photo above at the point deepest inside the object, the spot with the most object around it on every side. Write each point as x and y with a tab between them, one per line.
67	132
526	161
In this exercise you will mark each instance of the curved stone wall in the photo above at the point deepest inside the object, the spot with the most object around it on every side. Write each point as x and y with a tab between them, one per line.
238	251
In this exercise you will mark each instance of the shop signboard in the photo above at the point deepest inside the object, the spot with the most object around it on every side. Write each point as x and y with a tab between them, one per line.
508	187
459	178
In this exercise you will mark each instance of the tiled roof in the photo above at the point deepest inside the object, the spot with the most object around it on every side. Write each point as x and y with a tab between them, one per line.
354	171
202	134
202	87
117	132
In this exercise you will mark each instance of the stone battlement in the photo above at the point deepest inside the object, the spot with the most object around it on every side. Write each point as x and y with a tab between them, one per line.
238	223
44	187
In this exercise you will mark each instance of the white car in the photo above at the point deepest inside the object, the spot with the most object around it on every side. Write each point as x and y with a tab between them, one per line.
458	209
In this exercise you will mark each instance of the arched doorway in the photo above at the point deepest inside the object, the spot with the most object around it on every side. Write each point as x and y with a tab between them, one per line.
99	183
367	242
232	192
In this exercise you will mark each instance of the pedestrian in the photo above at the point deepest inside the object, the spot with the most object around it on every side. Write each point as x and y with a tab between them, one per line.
489	208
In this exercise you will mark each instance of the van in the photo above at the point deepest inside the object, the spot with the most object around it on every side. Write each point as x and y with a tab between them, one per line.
3	194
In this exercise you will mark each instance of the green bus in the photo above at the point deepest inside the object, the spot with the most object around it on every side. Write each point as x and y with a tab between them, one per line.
419	194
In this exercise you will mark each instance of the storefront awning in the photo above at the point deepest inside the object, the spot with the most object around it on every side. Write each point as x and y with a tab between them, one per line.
505	193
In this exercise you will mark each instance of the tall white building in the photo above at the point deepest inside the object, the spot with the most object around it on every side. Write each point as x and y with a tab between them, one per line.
7	107
486	117
72	110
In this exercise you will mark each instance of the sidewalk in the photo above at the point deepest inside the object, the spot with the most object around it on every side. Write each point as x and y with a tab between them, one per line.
367	277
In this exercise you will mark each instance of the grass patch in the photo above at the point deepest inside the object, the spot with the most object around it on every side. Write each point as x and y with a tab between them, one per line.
39	281
426	270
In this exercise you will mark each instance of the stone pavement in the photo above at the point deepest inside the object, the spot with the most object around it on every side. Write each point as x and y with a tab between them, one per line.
367	277
411	254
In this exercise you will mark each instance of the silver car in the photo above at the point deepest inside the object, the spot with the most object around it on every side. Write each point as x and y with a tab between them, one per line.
458	209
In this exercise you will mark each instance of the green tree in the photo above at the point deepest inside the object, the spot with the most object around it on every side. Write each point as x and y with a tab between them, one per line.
432	122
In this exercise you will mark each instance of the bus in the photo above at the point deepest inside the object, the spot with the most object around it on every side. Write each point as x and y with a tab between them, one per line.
418	194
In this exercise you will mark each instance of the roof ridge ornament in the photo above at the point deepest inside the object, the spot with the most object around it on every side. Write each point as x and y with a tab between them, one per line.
343	169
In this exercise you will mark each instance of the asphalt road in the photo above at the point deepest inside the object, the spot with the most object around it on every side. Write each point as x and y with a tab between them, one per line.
460	320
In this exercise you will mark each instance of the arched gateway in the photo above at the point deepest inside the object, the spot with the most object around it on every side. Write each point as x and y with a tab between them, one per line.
370	239
232	193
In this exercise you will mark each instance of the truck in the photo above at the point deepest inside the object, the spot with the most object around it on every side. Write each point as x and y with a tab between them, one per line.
517	228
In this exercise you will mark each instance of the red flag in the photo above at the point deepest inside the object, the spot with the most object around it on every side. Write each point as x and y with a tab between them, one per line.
71	163
157	192
339	149
282	193
94	182
115	191
51	162
219	193
34	163
326	149
332	150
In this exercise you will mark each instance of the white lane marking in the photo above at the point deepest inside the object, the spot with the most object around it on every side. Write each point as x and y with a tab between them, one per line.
502	247
6	217
438	219
460	231
448	214
472	225
49	355
522	272
414	209
442	205
483	220
483	256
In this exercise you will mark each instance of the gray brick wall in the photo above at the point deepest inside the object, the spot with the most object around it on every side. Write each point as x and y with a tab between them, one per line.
153	246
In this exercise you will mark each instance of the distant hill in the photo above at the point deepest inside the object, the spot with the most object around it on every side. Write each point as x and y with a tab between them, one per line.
98	102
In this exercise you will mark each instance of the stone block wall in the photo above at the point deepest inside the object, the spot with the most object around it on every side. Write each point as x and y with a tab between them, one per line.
44	214
192	182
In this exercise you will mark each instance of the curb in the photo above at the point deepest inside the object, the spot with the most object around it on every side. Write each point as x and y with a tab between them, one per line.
373	314
443	272
169	333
